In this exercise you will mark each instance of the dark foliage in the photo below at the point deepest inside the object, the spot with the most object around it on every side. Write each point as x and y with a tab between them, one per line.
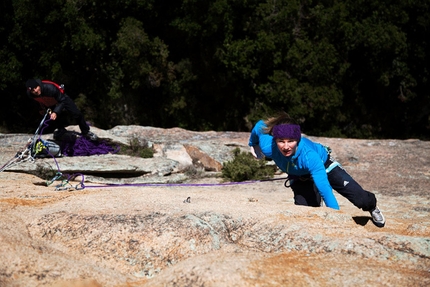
344	68
137	147
245	167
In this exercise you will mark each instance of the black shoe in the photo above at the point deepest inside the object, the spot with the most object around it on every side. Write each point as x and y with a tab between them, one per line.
91	136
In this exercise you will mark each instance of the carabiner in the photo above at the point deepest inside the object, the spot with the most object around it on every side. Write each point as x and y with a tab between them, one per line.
80	186
286	183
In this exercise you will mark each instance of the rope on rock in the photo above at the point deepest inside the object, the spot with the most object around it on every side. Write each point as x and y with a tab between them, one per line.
182	184
82	146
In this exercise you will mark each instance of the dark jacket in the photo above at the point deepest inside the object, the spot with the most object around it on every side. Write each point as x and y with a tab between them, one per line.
51	97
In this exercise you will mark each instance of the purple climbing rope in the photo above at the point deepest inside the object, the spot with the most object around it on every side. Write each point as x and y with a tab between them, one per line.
85	147
182	184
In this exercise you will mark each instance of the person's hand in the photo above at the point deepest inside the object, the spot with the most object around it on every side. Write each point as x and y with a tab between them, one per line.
256	152
53	116
253	152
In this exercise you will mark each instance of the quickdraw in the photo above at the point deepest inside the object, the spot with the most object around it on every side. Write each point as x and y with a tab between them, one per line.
57	176
65	182
36	146
63	186
27	154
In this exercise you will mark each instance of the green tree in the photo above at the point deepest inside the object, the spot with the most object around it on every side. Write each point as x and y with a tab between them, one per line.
343	68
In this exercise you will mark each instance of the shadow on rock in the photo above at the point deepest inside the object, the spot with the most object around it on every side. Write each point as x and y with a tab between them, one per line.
361	220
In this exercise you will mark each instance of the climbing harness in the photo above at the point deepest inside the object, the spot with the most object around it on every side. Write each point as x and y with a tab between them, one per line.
332	166
333	163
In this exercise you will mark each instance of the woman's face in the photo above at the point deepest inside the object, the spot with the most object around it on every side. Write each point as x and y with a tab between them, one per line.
286	146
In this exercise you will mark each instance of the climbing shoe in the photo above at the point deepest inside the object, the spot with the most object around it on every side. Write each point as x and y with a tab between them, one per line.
91	136
377	217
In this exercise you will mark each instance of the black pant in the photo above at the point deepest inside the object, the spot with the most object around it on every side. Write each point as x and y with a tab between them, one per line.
71	109
305	192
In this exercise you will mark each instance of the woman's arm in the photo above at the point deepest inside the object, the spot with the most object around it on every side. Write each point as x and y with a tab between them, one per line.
319	175
260	141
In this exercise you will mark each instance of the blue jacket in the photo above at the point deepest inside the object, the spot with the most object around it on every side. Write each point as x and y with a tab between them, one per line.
308	159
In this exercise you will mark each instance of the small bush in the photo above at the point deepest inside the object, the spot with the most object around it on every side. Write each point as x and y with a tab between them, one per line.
194	172
45	172
137	147
245	167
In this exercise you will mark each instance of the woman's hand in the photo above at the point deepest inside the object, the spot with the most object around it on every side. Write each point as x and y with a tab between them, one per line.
256	152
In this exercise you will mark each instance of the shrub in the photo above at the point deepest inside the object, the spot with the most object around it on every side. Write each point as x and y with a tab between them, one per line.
45	172
194	172
245	167
137	147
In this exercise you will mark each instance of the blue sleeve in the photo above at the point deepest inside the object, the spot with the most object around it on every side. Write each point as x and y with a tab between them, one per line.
260	138
319	176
